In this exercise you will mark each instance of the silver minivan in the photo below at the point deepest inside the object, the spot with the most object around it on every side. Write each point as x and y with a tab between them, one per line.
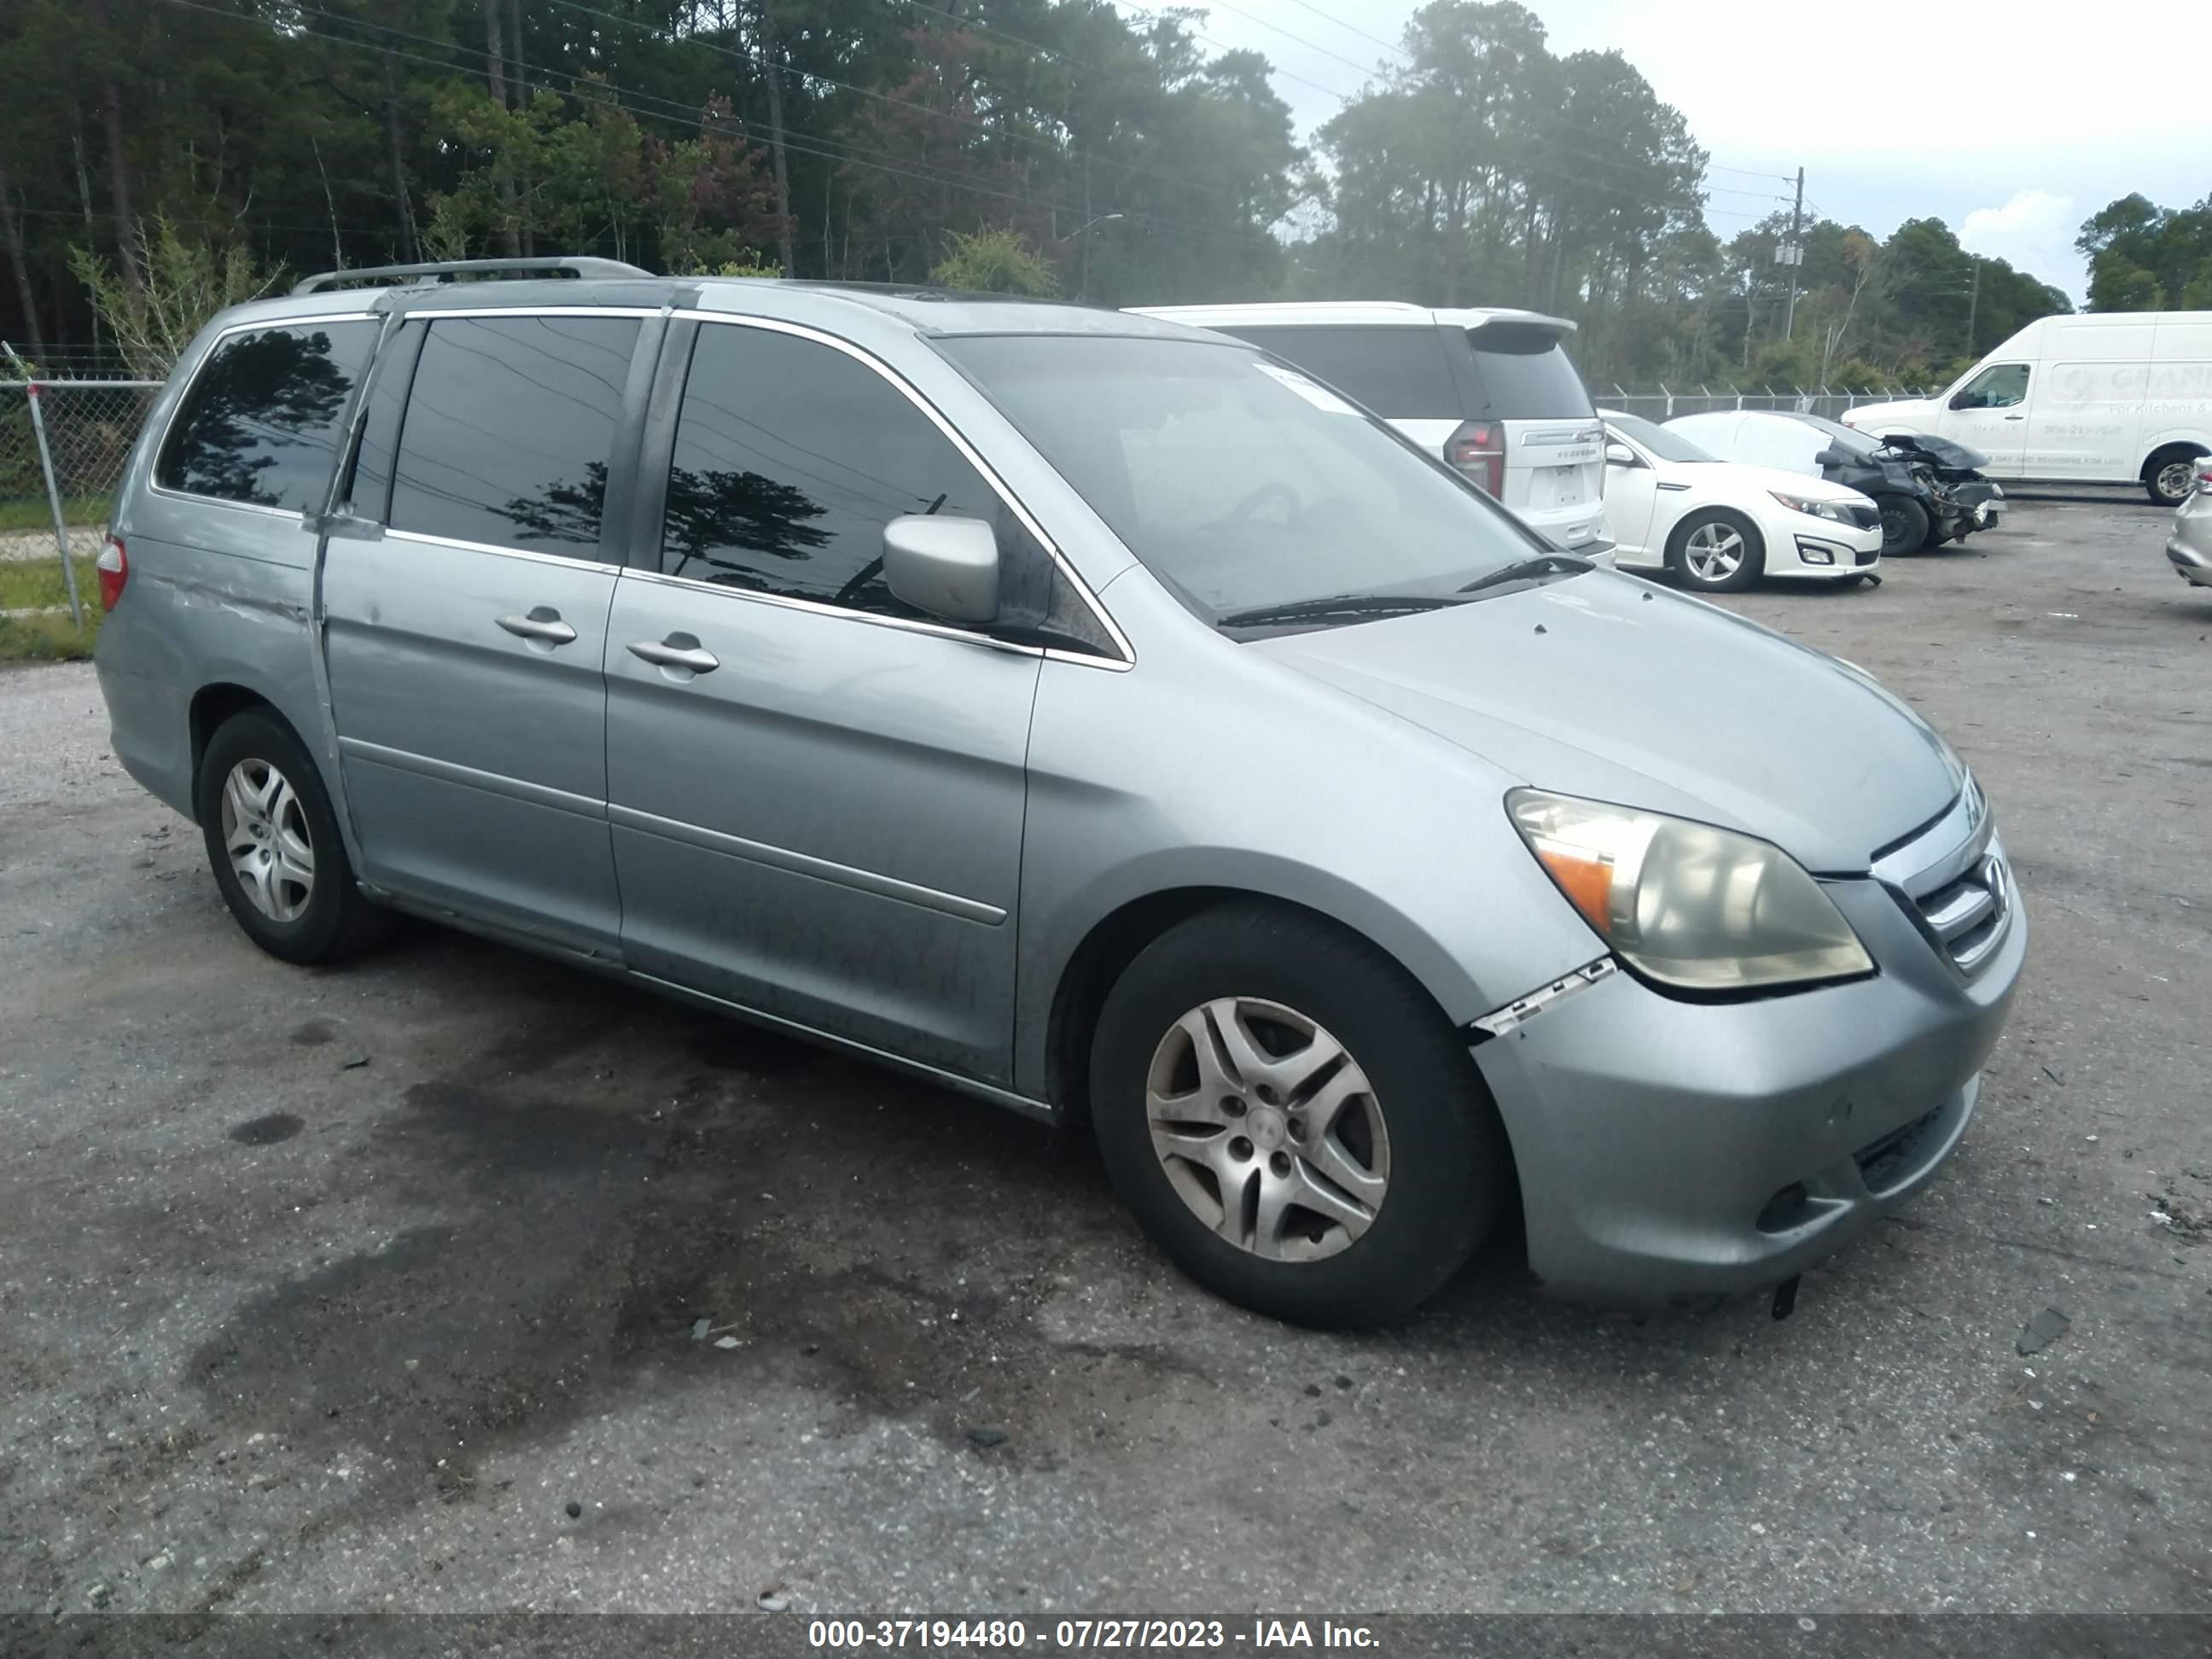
1083	711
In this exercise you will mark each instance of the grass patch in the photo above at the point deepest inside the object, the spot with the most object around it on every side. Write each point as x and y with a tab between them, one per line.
48	638
25	582
28	583
32	512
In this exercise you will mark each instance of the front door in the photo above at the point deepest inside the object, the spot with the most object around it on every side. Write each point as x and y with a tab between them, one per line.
1989	413
465	642
816	796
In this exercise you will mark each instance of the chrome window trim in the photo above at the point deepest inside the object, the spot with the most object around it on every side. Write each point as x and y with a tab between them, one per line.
822	607
259	325
969	452
422	540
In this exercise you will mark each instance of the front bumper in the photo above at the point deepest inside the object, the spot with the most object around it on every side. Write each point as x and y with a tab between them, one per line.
2190	563
1671	1151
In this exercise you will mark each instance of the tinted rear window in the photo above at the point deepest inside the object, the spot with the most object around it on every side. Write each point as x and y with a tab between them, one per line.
264	420
510	430
1402	373
1524	375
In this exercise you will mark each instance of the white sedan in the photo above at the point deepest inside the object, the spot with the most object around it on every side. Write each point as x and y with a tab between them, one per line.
1719	525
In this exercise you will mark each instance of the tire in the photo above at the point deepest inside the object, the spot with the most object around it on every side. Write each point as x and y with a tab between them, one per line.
280	816
1903	525
1406	1105
2169	476
1705	539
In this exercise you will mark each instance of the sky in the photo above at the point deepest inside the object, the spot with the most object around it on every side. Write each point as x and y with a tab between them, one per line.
2010	120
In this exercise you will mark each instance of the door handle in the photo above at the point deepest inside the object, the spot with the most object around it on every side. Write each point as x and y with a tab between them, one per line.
2015	418
544	623
676	651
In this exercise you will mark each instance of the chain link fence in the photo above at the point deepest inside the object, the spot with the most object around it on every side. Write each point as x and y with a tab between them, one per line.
62	445
1668	401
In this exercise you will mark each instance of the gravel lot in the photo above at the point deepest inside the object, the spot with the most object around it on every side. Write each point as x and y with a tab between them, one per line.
289	1331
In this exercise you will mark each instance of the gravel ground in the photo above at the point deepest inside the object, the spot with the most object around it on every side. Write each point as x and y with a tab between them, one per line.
290	1331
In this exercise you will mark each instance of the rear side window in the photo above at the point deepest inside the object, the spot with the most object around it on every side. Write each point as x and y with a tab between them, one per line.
510	430
1521	373
265	418
1402	373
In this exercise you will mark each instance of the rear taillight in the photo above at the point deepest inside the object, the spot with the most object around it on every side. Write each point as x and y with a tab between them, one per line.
1478	449
2204	482
114	568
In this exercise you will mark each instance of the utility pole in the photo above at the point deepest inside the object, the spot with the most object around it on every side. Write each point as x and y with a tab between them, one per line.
1796	253
1973	305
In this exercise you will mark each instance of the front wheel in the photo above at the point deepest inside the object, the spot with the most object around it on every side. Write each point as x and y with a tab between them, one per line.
1292	1120
1717	553
272	839
1903	525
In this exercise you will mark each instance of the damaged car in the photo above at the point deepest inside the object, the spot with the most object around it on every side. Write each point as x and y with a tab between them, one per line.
1930	490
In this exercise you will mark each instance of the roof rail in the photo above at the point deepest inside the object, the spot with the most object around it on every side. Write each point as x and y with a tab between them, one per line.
446	271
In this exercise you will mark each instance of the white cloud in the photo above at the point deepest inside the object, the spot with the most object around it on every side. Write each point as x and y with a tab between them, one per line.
2033	232
2030	213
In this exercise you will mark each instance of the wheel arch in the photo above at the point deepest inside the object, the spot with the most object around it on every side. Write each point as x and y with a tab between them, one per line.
2186	448
1116	939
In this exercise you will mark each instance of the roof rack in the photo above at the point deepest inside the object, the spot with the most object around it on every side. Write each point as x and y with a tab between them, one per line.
577	266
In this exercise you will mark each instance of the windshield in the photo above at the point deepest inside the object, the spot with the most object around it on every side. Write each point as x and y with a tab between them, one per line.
1666	446
1854	443
1240	483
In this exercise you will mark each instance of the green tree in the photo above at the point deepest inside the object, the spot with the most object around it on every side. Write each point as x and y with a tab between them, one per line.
994	261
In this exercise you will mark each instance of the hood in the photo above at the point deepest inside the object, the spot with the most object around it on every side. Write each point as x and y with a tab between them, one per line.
1607	687
1742	475
1908	415
1940	451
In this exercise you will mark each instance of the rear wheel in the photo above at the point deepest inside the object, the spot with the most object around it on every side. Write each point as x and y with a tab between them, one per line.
1903	525
1292	1120
2171	474
1717	552
272	839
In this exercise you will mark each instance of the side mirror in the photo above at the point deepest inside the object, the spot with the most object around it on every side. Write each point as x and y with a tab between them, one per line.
947	566
1825	459
1964	400
1621	455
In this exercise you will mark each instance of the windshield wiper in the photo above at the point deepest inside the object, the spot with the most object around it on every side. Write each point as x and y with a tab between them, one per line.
1542	564
1338	605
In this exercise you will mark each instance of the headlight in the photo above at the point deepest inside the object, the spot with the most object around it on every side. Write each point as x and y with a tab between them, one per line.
1686	904
1832	511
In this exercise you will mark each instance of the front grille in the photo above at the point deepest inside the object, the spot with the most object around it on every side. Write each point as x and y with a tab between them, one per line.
1968	915
1951	878
1867	517
1866	555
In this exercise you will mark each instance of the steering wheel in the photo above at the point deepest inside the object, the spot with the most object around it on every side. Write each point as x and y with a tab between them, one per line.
1252	503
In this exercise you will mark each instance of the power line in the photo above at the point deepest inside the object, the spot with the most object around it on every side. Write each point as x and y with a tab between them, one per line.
1354	28
670	108
984	127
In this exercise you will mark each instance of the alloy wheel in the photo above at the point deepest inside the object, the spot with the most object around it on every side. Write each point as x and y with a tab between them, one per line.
264	831
1714	552
1268	1130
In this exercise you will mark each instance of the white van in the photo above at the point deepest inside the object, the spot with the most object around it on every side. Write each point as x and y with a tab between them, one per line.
1490	391
2107	397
